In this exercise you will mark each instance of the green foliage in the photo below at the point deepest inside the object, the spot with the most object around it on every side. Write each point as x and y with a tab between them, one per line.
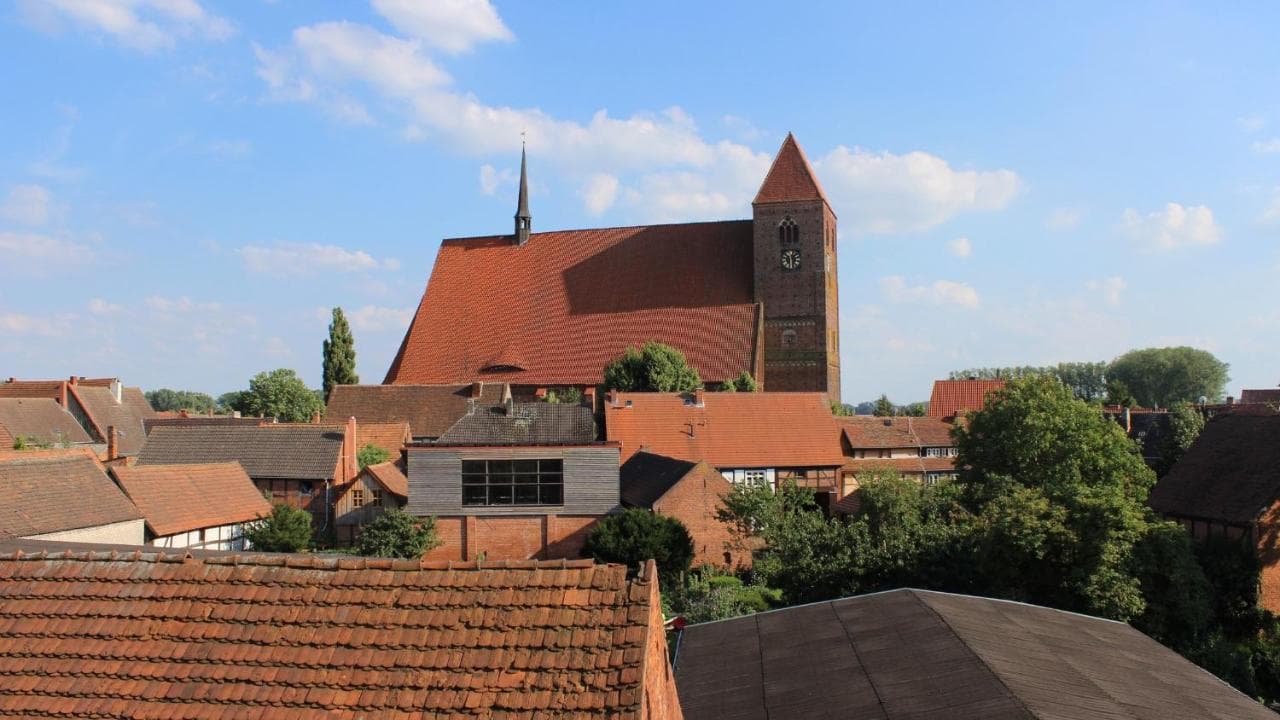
232	401
914	409
1163	377
841	409
1118	394
372	455
166	400
742	383
652	368
287	529
884	408
1180	608
565	396
339	363
396	534
711	594
636	535
1087	380
1185	424
280	394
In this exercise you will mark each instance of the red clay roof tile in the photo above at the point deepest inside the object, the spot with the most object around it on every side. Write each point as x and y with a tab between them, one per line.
953	398
869	432
180	498
48	491
790	178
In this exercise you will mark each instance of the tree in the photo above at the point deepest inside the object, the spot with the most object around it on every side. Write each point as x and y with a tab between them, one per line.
652	368
1185	424
372	455
742	383
840	409
1163	377
287	529
397	534
280	394
166	400
339	364
914	409
884	408
636	535
233	401
1087	380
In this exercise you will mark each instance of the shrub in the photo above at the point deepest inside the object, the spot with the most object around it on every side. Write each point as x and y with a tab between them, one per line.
637	535
287	529
397	534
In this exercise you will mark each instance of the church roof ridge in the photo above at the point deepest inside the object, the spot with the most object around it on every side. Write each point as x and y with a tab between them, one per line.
637	226
790	177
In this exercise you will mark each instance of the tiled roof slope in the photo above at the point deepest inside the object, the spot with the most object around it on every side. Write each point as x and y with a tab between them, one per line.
646	477
730	430
429	409
390	476
179	498
198	421
868	432
127	415
952	398
390	436
790	178
172	636
300	452
49	491
40	418
913	654
1265	395
1230	473
6	438
523	424
566	303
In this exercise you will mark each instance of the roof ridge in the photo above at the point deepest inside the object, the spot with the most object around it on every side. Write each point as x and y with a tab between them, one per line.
507	237
298	560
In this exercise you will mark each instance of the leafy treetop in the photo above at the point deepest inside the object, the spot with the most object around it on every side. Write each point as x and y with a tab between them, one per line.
1164	377
280	394
636	535
166	400
653	368
287	529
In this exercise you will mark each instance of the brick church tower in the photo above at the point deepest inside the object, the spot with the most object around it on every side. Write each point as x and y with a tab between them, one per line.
794	232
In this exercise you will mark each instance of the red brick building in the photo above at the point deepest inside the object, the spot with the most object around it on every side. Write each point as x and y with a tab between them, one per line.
552	309
691	492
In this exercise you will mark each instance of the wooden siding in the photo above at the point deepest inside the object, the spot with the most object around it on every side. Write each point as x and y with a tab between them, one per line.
590	480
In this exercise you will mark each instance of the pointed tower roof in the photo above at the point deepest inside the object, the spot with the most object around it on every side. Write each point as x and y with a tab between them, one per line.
790	178
522	210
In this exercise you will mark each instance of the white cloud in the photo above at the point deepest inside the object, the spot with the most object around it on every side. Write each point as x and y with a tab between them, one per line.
884	193
491	178
1109	288
940	292
43	248
1252	123
960	247
98	306
451	25
26	204
599	193
309	258
1063	218
372	318
1266	146
1174	227
181	304
20	324
139	24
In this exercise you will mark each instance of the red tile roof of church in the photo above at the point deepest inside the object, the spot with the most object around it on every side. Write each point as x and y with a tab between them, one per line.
569	302
791	177
955	397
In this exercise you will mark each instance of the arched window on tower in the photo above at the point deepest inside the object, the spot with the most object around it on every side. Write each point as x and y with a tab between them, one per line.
788	231
788	338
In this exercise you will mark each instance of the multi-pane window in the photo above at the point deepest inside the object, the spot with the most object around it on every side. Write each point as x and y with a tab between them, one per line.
357	497
940	452
788	231
756	478
513	482
377	497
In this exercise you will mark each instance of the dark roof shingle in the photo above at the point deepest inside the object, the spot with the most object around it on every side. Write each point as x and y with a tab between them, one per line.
532	423
646	477
429	409
1231	473
302	452
49	491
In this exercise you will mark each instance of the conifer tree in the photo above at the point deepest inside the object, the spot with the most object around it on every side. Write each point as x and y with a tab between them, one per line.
339	355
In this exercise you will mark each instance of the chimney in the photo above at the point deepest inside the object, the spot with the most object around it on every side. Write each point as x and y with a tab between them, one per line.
72	379
315	418
113	443
349	450
611	397
477	388
117	390
699	399
235	414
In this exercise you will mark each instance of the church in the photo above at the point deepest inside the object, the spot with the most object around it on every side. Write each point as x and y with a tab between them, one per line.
550	310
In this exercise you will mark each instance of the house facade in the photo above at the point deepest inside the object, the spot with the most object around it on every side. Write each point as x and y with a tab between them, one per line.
917	448
201	506
375	490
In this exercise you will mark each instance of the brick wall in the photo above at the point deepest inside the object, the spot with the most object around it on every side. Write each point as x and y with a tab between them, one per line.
519	537
694	501
660	701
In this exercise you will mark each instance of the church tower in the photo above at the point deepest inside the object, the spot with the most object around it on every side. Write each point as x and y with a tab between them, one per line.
524	220
794	234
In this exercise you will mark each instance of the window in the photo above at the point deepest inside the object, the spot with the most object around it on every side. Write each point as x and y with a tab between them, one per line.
788	231
940	452
788	337
756	478
513	482
357	497
377	497
304	487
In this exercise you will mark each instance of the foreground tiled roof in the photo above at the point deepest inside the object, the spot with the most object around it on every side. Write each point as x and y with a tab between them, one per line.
49	491
952	398
1265	395
172	636
917	655
523	424
429	409
1231	473
566	303
868	432
390	476
790	178
302	452
40	418
179	498
646	477
730	430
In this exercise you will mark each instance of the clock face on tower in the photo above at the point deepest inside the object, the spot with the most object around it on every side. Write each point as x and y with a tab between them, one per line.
791	259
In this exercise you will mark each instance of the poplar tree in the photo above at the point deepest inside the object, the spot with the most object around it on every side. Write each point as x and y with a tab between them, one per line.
339	355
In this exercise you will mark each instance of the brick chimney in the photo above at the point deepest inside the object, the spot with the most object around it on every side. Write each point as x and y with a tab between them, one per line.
477	388
113	443
700	398
351	466
589	397
315	418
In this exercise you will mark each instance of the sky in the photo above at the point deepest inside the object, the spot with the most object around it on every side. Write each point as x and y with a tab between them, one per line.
187	187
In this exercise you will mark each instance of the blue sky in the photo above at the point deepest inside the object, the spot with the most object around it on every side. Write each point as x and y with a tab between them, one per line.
187	186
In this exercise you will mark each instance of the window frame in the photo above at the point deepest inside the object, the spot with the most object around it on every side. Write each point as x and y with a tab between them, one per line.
510	482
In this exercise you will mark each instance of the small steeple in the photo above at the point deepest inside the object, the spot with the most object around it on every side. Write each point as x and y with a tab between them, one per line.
791	177
524	220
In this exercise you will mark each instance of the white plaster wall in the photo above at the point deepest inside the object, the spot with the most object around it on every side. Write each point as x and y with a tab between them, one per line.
129	532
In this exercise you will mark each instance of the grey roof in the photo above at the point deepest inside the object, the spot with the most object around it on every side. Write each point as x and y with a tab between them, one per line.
1231	473
49	491
298	452
127	415
200	420
523	424
430	410
917	654
40	418
647	476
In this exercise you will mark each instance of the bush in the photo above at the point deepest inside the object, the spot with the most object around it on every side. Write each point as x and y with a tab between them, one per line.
637	535
287	529
396	534
652	368
372	455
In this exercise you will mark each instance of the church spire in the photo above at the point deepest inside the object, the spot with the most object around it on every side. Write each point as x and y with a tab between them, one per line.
524	220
